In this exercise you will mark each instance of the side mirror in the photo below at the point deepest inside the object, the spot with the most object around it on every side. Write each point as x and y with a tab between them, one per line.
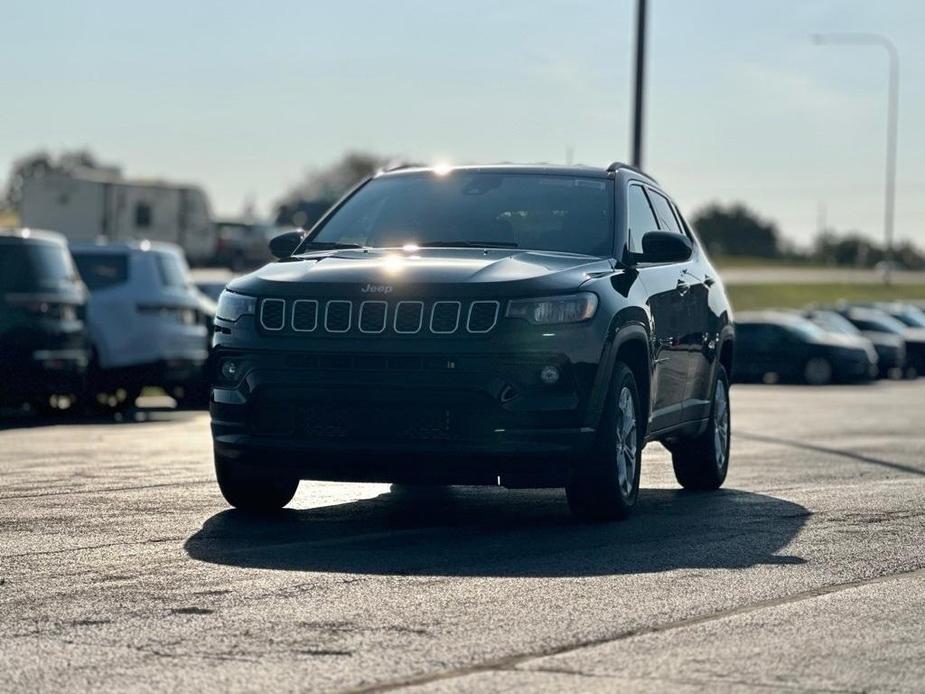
665	247
284	245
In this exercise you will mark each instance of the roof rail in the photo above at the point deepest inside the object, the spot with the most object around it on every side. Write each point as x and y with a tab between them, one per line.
614	166
398	164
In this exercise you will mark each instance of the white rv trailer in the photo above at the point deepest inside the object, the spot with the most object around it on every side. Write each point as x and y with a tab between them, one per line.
99	205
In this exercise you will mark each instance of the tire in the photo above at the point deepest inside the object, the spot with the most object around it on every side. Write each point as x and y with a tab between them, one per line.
251	490
817	371
605	486
702	463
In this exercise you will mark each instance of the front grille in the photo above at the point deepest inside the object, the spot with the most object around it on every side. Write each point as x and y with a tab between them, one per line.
273	314
378	317
373	316
304	315
444	317
337	316
409	316
482	316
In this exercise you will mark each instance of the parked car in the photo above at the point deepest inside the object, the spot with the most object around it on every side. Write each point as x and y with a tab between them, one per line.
146	322
243	246
43	346
513	325
908	314
794	349
875	320
890	349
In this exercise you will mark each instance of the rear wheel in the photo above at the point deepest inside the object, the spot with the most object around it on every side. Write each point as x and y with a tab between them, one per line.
605	486
702	463
251	489
817	371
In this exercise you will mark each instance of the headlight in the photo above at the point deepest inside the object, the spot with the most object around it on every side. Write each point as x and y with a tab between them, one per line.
232	306
549	310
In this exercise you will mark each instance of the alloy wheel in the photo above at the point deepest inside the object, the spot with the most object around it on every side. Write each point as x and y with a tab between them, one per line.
627	443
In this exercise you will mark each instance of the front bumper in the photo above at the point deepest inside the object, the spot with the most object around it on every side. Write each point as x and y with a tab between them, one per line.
464	419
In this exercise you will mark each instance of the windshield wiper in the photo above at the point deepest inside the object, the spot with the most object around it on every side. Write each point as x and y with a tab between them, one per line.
467	244
327	246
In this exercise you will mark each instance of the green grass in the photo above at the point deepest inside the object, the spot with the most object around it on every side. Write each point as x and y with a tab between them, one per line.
747	261
753	296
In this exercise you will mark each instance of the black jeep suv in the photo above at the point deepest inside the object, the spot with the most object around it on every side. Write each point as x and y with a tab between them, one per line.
527	326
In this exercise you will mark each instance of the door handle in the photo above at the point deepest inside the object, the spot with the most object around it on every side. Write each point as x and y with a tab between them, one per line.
683	287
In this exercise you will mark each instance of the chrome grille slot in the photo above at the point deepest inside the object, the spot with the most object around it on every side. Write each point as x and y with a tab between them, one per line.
482	316
444	317
337	315
304	315
409	317
272	314
373	316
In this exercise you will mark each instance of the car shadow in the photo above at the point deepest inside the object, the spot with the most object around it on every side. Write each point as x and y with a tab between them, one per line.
470	531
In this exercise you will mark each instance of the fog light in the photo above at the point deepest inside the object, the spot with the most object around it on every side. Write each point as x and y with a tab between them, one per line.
229	370
549	375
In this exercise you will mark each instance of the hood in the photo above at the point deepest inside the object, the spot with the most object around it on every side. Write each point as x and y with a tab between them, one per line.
395	272
884	339
915	335
843	341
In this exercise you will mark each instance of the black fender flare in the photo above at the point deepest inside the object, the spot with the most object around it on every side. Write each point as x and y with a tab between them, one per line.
634	330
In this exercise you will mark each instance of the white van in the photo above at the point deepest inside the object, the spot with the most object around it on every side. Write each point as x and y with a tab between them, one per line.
146	322
91	205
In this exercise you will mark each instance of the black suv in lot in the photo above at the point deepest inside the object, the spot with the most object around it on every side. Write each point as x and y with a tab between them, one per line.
524	326
43	343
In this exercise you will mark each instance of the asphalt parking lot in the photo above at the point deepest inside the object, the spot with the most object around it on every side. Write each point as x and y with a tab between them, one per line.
121	567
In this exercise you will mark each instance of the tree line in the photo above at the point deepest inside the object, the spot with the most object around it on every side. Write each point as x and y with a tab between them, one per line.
727	231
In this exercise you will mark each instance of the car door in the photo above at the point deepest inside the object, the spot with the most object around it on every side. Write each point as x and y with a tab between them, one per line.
668	311
702	338
689	330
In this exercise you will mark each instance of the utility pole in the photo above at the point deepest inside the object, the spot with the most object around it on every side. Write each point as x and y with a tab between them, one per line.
892	110
639	89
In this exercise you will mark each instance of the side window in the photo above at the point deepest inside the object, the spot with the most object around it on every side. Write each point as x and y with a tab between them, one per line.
171	269
666	219
142	215
639	218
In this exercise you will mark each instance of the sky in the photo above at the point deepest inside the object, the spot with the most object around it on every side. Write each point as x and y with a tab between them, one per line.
244	97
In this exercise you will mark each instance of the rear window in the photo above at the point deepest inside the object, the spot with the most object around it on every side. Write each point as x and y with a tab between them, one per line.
26	267
171	270
102	270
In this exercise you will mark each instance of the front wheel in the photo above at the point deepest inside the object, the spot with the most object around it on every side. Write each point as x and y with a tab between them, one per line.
251	489
702	463
605	486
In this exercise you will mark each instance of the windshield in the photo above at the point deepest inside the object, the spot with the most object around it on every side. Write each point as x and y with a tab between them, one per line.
911	317
805	328
484	209
28	267
102	270
879	324
834	323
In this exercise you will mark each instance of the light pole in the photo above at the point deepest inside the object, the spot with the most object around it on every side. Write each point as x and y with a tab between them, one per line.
639	87
892	118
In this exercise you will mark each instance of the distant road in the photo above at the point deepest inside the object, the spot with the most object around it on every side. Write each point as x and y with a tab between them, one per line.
813	275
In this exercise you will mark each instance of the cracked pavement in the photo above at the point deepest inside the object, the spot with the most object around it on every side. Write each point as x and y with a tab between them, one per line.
122	569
